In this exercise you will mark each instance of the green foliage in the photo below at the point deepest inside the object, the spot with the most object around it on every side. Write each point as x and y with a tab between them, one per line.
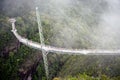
6	36
86	77
9	68
40	74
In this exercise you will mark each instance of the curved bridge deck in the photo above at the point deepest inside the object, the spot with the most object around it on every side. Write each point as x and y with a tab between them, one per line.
61	50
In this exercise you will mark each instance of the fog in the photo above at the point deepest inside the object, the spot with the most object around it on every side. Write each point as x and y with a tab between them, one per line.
109	26
76	23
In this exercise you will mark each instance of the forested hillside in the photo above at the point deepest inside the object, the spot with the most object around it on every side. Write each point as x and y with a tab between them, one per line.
73	24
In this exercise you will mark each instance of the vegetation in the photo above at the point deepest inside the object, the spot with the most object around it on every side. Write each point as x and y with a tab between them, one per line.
18	62
86	77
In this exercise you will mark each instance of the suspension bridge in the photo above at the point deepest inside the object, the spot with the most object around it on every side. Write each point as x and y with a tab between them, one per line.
47	48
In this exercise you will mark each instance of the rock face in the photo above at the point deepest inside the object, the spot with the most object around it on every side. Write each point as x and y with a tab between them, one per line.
12	48
29	77
26	74
29	67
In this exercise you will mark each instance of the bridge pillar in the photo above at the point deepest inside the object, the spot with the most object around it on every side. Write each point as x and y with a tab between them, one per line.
44	53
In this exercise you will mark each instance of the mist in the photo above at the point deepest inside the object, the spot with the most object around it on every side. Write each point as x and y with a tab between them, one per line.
14	8
109	26
81	24
86	24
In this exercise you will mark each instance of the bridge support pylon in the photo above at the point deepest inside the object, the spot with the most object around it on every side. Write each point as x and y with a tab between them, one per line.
44	53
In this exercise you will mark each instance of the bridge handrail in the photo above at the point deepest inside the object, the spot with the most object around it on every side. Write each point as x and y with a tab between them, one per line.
61	50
